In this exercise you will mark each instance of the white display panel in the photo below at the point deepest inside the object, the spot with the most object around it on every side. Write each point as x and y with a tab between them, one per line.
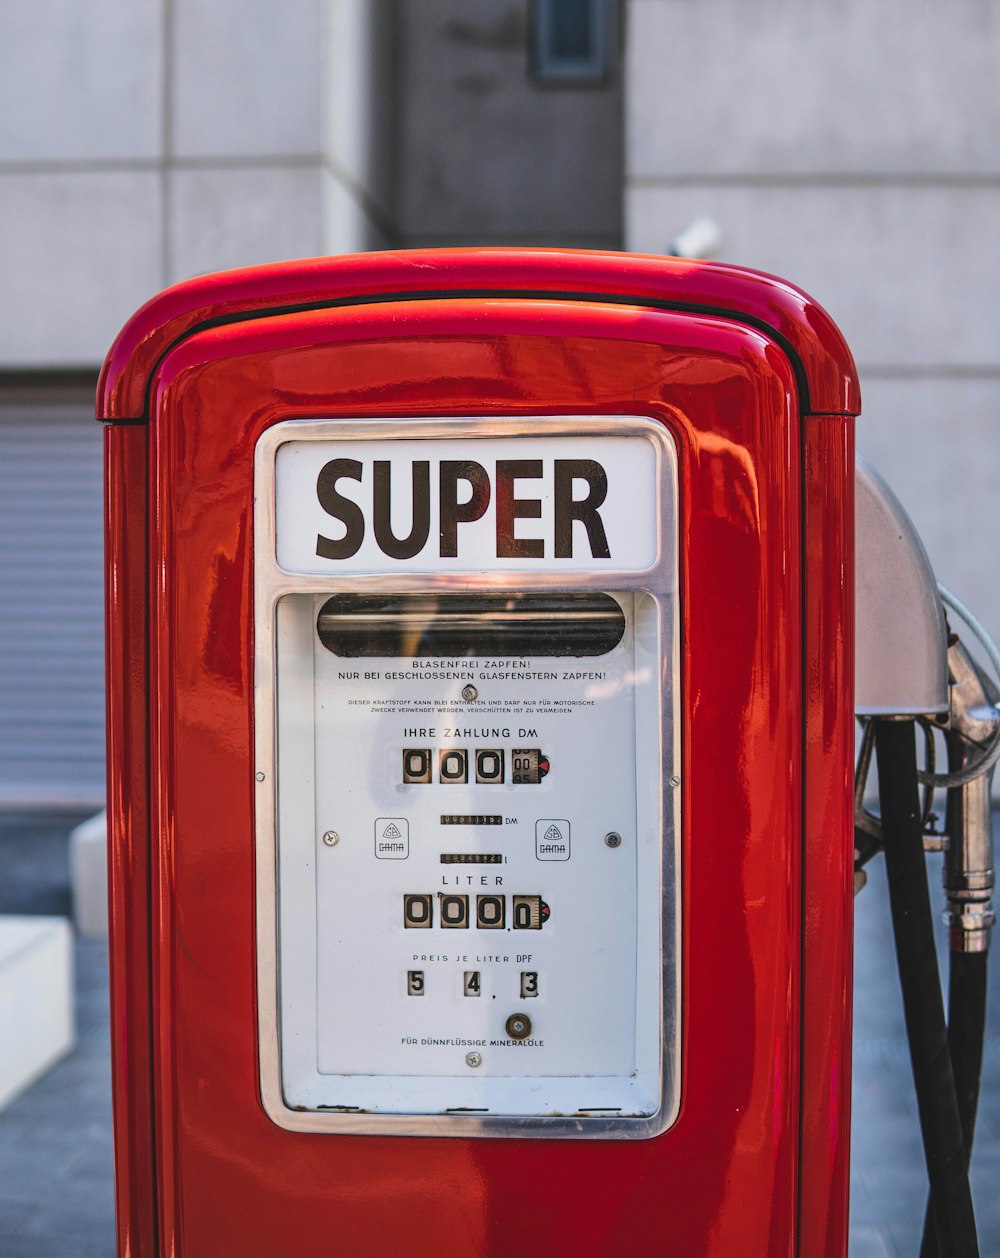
468	861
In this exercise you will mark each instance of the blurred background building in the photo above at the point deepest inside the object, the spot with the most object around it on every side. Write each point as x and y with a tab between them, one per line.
853	148
849	146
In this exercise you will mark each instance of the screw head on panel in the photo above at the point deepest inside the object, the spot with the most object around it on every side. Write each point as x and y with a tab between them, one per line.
469	693
612	839
473	1059
518	1026
331	838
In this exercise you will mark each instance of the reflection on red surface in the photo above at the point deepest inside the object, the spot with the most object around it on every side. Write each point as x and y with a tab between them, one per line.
827	369
727	1178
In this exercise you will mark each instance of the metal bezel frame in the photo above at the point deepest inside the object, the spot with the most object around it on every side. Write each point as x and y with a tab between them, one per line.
271	583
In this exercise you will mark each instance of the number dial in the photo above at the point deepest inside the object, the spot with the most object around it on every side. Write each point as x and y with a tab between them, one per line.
489	765
417	763
491	912
527	912
453	765
418	912
454	912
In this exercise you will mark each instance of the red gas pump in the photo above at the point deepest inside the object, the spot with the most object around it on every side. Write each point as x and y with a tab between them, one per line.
481	740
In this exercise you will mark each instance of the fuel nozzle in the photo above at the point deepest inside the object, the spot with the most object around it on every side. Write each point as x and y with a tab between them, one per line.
973	727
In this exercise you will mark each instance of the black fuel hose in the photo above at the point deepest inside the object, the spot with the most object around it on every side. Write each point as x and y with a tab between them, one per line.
913	928
966	1033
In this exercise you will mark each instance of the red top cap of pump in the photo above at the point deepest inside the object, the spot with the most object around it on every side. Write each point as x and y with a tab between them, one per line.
827	376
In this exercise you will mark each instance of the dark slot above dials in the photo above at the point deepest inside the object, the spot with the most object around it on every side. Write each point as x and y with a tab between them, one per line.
574	623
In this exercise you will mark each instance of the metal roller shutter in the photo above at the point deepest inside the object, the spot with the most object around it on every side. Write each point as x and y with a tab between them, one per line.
51	636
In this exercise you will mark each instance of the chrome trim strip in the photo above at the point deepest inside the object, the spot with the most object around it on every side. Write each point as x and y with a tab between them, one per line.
272	583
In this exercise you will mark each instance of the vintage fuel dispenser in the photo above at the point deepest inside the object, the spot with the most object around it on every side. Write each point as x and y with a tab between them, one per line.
481	759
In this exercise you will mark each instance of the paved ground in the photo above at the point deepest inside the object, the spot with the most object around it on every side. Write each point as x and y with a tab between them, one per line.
56	1191
55	1140
888	1177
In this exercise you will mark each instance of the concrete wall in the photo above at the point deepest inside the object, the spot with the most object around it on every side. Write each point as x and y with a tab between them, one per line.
853	148
142	143
484	153
148	141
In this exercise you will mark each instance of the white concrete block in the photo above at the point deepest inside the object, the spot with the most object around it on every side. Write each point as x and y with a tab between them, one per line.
80	82
724	87
36	999
357	110
911	275
227	218
79	252
246	78
88	872
348	34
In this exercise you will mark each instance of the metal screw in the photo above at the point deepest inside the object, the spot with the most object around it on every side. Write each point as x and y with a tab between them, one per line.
613	840
469	693
331	838
473	1059
260	777
675	781
518	1026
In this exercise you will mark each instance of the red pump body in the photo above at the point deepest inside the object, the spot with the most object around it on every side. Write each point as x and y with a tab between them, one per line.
758	391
